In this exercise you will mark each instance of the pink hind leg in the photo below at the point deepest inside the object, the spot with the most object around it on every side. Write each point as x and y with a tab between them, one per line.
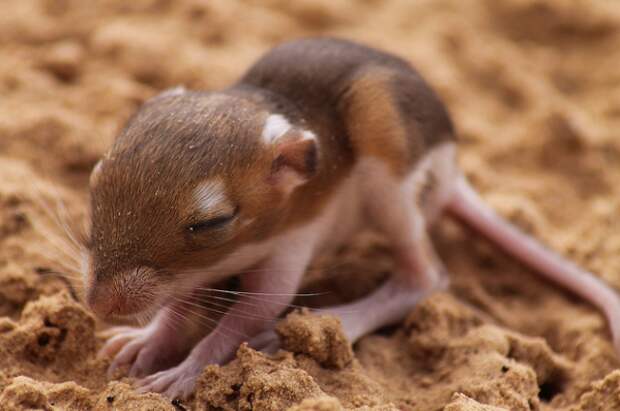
387	305
468	207
392	207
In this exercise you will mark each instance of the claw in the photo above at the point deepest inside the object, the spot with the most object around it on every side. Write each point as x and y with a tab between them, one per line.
114	345
126	355
177	382
144	350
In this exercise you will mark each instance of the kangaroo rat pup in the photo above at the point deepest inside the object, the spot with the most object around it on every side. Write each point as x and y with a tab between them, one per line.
318	138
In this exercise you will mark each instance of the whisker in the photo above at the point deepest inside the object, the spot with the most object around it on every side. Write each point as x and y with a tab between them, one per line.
230	311
76	281
181	318
255	298
232	340
289	305
233	301
174	326
53	238
59	244
263	294
58	204
67	249
64	218
260	302
53	252
73	289
71	270
216	323
206	299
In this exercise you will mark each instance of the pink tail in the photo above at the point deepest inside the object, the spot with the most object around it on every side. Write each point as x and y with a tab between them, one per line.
469	207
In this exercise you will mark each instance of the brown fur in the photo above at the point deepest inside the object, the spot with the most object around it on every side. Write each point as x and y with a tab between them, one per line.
375	128
350	96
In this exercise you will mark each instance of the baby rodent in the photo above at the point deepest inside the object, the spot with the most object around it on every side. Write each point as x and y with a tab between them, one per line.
318	138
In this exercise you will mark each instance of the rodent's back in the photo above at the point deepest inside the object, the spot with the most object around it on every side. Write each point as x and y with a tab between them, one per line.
315	70
348	89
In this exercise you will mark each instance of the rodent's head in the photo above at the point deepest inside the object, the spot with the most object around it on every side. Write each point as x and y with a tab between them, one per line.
193	176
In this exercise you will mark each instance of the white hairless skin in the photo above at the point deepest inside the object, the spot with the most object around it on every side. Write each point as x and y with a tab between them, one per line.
320	138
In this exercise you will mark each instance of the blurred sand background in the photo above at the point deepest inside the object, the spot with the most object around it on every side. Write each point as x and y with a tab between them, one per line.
534	89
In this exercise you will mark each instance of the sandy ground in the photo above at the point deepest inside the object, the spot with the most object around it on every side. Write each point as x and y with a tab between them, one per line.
534	89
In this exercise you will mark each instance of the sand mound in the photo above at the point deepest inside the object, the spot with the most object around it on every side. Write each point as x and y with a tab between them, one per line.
534	92
321	338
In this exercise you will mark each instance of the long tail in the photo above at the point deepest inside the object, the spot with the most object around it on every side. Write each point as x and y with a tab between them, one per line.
468	207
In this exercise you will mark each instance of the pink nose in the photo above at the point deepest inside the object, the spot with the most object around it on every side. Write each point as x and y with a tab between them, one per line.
103	302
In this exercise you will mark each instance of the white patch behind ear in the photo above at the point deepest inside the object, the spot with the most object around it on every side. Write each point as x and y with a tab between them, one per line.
209	194
308	135
94	175
275	127
175	91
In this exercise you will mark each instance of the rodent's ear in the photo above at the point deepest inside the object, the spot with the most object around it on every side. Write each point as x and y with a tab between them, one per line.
94	175
295	160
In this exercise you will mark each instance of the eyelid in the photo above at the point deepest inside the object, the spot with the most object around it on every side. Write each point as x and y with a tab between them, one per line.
212	222
220	210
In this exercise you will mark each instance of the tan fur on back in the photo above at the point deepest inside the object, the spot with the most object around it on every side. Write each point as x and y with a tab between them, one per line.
374	123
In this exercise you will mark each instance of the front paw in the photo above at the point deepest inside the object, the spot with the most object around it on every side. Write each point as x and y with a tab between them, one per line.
145	349
177	382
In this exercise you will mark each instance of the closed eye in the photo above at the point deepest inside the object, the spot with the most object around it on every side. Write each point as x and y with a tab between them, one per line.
212	223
